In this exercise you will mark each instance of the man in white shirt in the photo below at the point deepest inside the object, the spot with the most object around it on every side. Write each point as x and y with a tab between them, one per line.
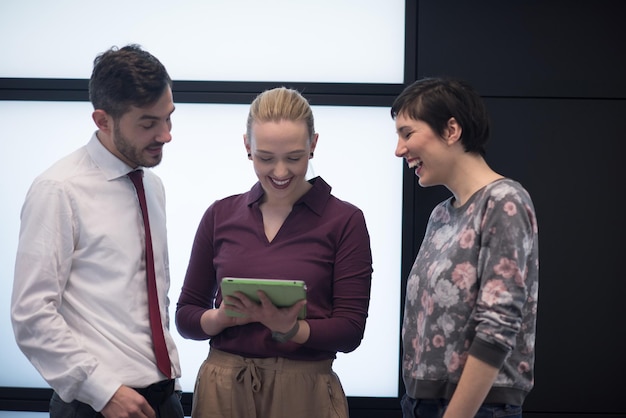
79	306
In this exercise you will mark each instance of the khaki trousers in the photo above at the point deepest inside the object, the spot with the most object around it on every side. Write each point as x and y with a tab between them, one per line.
231	386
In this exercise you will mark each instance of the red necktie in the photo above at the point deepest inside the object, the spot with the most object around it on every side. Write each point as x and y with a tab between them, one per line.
160	349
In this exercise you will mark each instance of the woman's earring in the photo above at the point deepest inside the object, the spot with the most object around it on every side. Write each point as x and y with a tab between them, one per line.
311	155
249	155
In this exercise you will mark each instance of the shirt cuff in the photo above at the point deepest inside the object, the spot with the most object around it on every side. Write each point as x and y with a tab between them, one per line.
492	354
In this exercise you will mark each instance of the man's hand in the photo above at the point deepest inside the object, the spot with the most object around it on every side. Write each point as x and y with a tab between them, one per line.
127	403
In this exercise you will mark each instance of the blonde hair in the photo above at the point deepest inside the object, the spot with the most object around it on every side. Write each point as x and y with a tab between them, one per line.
278	104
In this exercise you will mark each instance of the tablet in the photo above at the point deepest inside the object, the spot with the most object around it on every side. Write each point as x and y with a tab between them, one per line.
282	293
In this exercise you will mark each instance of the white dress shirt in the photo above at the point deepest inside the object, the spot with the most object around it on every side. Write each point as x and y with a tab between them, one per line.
79	306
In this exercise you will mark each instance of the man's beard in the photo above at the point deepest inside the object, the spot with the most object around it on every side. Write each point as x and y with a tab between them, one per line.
130	152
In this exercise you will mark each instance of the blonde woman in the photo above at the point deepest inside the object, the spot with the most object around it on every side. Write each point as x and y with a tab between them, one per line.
269	363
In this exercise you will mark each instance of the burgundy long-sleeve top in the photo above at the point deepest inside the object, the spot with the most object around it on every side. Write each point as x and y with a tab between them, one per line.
324	241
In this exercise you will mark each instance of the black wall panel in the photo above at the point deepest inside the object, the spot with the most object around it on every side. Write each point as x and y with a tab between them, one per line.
536	48
566	153
553	74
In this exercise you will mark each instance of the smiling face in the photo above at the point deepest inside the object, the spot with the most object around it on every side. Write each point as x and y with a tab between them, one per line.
138	136
423	150
280	152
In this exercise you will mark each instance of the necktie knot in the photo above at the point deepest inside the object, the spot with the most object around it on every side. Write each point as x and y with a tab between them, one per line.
136	177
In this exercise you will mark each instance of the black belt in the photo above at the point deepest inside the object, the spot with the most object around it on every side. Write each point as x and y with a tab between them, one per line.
157	393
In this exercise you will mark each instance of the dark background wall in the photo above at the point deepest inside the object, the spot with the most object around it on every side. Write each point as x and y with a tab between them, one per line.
553	76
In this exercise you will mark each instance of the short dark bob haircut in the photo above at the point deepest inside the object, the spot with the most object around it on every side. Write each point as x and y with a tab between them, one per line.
434	100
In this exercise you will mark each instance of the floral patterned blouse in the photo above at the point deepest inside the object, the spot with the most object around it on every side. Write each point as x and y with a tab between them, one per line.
473	291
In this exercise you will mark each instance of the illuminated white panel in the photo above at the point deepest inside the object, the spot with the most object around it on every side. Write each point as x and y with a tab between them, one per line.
347	41
206	160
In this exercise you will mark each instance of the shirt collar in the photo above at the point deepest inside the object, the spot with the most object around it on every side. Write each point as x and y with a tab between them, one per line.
111	166
315	199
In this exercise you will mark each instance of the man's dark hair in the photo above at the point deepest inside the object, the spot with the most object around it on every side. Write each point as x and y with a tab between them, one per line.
126	77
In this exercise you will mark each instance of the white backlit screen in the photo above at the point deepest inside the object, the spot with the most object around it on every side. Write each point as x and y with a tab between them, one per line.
344	41
205	161
282	41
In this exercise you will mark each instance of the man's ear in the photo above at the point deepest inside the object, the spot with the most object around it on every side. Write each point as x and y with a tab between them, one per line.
453	131
103	121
